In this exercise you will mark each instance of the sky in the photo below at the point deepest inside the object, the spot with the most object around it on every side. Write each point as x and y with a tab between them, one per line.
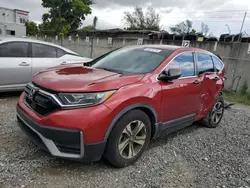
215	13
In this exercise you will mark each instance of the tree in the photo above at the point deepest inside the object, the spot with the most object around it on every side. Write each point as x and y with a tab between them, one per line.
193	31
88	28
182	28
137	20
31	28
64	15
204	29
95	20
91	27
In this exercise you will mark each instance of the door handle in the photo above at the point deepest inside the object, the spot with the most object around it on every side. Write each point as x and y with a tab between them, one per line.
197	82
24	64
63	63
216	78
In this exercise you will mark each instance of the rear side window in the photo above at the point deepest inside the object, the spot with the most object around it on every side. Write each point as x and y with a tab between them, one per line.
43	51
217	63
60	52
205	63
14	49
185	62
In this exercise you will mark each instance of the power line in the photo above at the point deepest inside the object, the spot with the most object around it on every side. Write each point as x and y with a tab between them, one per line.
218	11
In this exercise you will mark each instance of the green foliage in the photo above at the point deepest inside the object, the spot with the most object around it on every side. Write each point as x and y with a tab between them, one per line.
31	28
182	28
204	29
137	20
244	88
193	31
243	96
237	97
88	28
91	27
63	16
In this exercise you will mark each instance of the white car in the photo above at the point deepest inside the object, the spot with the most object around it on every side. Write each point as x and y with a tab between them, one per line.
21	58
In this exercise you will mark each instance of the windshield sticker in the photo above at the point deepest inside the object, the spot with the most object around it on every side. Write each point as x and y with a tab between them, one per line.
152	50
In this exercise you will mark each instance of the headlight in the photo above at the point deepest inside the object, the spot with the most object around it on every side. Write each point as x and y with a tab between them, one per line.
84	99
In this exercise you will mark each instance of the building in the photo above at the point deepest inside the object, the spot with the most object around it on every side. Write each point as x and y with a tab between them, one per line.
122	33
12	22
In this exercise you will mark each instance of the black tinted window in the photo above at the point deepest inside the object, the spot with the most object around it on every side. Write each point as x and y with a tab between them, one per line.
43	51
205	63
133	60
14	49
60	52
217	63
185	62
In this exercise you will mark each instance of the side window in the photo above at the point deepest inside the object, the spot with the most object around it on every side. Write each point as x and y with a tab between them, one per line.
43	51
60	52
14	49
185	62
205	63
217	63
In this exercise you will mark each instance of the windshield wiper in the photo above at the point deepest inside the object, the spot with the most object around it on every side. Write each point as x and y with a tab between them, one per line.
110	70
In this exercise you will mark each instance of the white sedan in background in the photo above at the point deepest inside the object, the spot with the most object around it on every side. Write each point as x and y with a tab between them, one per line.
21	58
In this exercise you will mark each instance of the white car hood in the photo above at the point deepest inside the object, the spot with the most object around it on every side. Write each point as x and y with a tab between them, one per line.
75	59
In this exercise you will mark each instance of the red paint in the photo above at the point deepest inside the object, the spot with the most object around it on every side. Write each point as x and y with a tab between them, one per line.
170	100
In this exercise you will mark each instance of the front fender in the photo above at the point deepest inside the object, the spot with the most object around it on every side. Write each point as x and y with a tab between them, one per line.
124	111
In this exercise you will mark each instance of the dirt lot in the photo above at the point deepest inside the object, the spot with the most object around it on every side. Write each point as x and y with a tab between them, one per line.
194	157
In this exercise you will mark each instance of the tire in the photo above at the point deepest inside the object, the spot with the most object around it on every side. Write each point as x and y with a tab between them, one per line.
118	150
209	120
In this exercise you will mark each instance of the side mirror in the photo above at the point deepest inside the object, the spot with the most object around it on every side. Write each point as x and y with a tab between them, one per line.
169	75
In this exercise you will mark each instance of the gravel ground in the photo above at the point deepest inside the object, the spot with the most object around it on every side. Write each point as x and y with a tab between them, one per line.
194	157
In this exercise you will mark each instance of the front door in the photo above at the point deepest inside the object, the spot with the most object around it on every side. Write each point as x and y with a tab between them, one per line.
15	65
181	97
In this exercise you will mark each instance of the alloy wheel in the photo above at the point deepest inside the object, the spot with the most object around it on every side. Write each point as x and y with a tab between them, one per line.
132	139
217	112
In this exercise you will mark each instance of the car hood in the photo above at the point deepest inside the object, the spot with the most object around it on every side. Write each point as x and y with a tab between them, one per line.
77	78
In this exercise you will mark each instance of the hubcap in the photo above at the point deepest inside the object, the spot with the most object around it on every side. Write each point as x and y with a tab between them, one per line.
132	139
217	112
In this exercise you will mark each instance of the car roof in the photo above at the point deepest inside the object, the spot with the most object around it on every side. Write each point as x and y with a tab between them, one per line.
9	39
172	47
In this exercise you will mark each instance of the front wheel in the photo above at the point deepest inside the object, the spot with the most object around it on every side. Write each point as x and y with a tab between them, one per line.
215	115
129	138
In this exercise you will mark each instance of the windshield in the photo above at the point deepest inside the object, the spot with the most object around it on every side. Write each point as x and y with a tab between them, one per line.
133	60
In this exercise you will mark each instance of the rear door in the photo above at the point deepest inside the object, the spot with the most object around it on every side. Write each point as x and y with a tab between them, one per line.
44	56
209	77
15	65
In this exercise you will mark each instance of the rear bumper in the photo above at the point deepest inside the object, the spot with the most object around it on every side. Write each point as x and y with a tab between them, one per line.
65	143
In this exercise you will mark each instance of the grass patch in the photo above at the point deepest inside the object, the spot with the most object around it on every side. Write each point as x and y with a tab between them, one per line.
237	97
242	96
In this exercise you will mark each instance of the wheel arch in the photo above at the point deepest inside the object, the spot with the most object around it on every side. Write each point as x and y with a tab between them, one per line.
147	109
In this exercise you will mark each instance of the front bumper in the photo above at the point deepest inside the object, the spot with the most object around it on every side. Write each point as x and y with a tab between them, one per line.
65	143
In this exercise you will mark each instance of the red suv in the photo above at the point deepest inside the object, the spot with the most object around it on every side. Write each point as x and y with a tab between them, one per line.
116	105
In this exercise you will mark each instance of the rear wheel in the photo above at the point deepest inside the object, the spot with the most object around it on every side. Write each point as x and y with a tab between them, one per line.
129	138
215	115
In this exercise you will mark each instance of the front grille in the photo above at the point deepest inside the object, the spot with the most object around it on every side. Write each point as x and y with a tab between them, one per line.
40	102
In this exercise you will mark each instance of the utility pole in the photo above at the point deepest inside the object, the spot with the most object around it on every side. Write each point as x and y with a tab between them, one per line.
242	25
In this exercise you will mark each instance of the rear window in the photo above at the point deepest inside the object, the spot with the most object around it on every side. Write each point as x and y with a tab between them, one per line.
43	51
133	60
60	52
217	63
